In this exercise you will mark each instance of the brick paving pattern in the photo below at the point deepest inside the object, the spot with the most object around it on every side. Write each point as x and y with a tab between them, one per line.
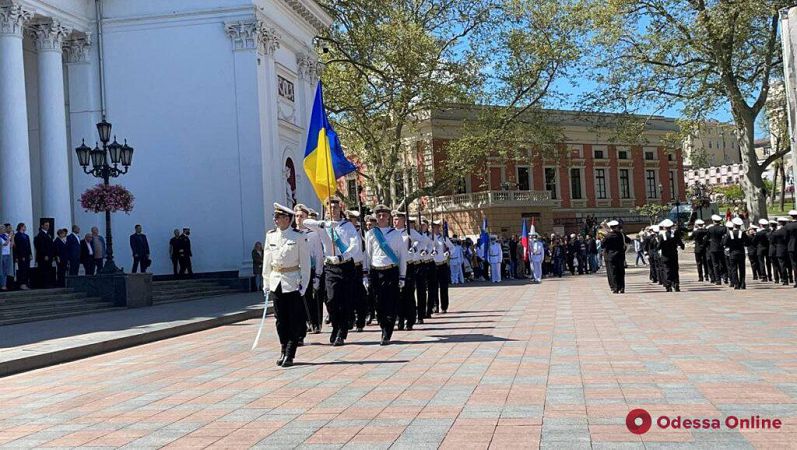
556	365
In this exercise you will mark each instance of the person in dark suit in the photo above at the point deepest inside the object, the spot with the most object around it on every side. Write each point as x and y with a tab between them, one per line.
715	234
762	251
22	255
791	231
174	255
73	250
61	257
780	239
184	253
734	242
773	257
669	241
614	245
700	238
87	254
45	252
140	249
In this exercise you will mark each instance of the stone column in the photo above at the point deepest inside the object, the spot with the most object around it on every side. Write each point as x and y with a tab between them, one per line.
16	203
56	193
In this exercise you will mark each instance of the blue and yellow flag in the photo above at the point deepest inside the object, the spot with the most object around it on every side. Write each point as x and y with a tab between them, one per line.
324	161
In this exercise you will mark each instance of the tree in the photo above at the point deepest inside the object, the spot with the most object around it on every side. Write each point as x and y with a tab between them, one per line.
653	211
392	61
699	55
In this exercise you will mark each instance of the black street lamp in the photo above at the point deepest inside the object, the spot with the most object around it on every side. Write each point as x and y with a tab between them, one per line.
101	167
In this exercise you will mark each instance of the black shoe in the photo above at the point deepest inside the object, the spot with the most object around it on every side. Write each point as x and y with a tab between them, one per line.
338	342
369	321
700	280
420	321
409	327
677	288
288	362
282	357
359	329
332	337
300	342
384	342
445	311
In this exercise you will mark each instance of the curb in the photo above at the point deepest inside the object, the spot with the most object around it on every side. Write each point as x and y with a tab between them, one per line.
42	360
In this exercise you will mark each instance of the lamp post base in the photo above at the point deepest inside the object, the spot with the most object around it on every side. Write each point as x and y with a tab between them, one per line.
109	268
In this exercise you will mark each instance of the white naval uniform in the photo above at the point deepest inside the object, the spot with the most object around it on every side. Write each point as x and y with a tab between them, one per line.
537	251
494	257
347	233
386	275
286	261
375	257
456	265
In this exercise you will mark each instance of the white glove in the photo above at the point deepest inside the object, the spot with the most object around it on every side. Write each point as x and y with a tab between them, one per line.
333	259
365	283
265	289
401	284
446	254
423	252
316	283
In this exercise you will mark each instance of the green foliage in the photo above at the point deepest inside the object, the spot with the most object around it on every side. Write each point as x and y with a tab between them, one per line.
731	194
392	61
653	211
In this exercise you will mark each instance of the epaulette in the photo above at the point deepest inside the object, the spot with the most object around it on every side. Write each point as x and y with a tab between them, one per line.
271	231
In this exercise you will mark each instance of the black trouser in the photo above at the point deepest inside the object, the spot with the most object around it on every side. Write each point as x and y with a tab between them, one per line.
289	314
44	274
74	267
98	265
653	260
570	265
340	292
718	259
407	311
582	264
702	266
736	269
764	267
421	279
360	304
88	266
783	265
313	297
669	272
443	279
615	272
776	270
175	260
754	265
60	279
610	274
23	271
385	285
433	301
793	262
142	262
185	265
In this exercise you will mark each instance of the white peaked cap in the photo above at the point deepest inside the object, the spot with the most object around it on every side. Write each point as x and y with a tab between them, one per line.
793	212
737	221
699	222
666	223
729	224
716	218
613	223
282	209
764	222
655	228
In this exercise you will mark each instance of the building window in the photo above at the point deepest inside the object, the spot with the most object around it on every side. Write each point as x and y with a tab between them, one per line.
622	154
625	184
600	183
598	154
649	156
673	192
523	182
575	184
550	181
650	178
669	156
285	88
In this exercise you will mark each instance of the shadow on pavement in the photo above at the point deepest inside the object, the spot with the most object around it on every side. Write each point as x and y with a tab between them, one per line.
360	362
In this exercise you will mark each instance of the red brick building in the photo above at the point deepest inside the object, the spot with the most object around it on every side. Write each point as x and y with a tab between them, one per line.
593	176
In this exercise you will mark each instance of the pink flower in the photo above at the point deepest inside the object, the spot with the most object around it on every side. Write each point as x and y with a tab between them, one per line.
101	198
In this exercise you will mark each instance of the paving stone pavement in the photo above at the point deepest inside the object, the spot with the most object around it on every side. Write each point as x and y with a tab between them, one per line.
556	365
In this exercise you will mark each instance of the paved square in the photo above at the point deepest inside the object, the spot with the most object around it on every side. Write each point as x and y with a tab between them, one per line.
556	365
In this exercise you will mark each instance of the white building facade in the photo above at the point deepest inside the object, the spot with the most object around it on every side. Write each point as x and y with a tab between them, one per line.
213	96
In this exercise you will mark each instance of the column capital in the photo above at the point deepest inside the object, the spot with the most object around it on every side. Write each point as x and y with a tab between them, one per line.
48	35
12	18
76	48
253	34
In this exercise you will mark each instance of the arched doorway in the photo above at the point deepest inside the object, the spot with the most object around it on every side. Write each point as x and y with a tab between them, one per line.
289	174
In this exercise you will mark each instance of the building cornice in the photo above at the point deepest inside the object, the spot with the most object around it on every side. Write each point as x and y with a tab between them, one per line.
312	12
64	17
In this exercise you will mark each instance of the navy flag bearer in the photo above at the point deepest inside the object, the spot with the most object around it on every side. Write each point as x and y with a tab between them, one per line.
386	260
286	274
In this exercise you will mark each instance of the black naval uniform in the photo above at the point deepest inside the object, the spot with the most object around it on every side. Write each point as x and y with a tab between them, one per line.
791	231
734	242
762	253
773	255
715	235
700	237
614	254
751	247
668	243
780	239
421	278
651	248
406	310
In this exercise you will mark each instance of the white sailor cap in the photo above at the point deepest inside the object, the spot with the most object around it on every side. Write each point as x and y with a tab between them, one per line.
534	234
763	222
655	228
313	213
613	223
699	222
352	213
284	210
753	227
666	223
370	218
783	219
716	218
738	221
728	224
398	213
773	222
381	208
793	212
301	207
437	222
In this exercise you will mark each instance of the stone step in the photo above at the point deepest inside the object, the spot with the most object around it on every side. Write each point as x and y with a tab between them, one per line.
190	281
56	315
192	287
50	304
48	311
34	293
46	298
191	296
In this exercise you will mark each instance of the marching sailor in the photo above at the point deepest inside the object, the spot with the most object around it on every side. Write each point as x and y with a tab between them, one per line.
286	275
342	244
780	239
700	237
441	252
762	251
715	235
386	261
734	243
421	257
406	309
457	277
314	298
669	241
791	231
614	253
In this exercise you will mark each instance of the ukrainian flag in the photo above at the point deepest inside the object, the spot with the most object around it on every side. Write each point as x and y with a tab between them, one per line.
324	161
